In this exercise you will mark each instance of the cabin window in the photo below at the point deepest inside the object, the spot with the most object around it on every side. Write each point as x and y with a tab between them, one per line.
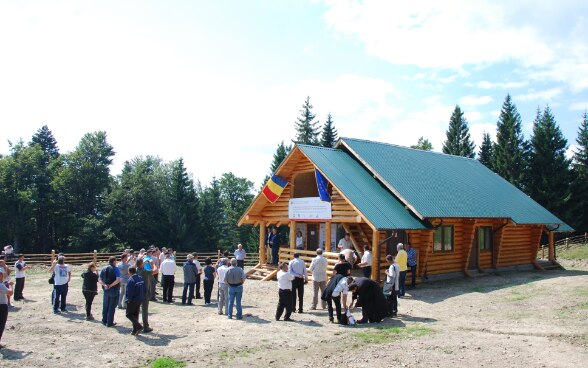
443	240
485	237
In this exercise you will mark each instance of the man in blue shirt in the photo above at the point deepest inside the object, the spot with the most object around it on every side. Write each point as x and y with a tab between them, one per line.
110	281
411	262
274	243
135	294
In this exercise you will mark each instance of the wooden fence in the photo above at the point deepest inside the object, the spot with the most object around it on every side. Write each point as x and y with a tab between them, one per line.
102	258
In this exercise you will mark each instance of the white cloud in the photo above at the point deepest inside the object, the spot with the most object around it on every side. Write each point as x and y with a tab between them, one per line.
579	106
471	100
546	95
498	85
550	40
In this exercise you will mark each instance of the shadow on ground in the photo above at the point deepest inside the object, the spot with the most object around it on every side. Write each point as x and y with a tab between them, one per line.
438	291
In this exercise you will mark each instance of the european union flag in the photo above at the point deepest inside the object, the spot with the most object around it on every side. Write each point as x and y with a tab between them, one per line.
322	183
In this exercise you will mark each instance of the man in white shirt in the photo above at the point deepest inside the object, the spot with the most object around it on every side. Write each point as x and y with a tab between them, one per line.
318	267
345	242
223	288
298	269
340	295
285	279
240	256
366	262
20	268
168	269
60	285
391	285
198	277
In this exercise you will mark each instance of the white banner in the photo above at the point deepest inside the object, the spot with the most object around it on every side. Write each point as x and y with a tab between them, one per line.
309	209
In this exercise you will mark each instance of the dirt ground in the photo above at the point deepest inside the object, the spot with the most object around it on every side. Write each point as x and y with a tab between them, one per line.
534	319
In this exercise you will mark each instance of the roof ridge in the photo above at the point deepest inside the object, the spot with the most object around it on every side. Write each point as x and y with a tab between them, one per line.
319	147
407	148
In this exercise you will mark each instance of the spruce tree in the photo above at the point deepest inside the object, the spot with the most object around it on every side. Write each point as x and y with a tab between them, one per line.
45	206
509	159
458	136
486	151
579	186
329	136
423	144
549	175
307	131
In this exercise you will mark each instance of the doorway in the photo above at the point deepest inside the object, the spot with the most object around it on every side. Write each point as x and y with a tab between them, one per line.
395	237
312	236
474	254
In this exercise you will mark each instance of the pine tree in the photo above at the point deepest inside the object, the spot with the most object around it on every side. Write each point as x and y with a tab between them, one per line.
182	208
329	136
485	156
423	144
549	175
281	152
458	136
579	186
509	160
44	138
45	202
307	131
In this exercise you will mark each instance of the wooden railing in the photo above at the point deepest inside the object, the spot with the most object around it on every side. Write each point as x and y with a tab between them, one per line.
287	254
101	258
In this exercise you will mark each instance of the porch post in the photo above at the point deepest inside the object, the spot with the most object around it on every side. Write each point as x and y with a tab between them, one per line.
292	234
376	256
262	236
551	253
327	236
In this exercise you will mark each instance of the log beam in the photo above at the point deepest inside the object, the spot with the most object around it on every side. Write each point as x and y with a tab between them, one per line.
376	256
327	236
292	234
551	253
262	237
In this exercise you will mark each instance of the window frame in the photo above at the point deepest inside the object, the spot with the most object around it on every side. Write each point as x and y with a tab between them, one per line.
444	242
482	239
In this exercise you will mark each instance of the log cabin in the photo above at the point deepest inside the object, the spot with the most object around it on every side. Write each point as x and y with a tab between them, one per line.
461	217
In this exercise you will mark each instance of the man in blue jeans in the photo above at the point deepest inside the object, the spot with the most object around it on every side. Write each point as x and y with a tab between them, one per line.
110	281
235	277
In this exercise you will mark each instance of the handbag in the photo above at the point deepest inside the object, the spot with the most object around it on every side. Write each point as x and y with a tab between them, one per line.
51	279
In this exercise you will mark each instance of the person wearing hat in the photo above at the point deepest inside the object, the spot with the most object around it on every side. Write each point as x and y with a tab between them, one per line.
190	275
298	270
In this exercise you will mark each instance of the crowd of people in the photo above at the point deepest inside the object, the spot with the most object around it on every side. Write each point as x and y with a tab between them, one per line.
129	282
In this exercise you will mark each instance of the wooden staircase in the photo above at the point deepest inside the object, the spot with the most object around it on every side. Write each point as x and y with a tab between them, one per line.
263	272
360	235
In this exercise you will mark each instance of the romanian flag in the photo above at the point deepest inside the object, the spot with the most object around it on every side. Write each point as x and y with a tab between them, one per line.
274	188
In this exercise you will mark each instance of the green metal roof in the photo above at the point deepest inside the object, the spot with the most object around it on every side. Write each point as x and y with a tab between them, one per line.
374	201
439	185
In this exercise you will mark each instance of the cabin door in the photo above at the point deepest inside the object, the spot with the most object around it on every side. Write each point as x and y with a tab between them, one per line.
312	236
474	255
395	237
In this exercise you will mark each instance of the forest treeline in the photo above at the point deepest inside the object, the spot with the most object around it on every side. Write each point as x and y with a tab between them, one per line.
71	202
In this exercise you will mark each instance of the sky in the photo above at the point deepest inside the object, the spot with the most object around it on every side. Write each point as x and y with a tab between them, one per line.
221	83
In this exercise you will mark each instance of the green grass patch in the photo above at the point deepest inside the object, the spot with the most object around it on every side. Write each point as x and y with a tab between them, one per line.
578	252
382	335
167	362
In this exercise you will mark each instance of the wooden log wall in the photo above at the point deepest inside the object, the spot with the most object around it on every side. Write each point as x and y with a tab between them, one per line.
519	245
